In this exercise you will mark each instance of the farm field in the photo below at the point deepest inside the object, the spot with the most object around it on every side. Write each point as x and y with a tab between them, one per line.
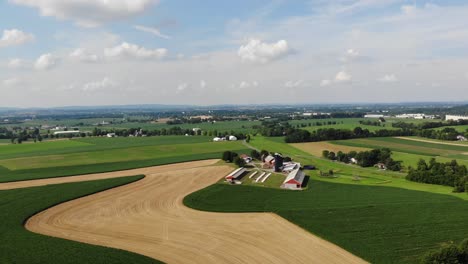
24	247
419	149
444	142
91	155
379	224
347	174
156	229
463	128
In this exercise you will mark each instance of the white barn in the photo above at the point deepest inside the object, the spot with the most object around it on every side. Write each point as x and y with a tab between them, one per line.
235	174
294	180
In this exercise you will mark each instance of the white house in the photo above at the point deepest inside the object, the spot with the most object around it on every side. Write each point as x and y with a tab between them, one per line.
111	135
217	139
235	174
232	138
294	180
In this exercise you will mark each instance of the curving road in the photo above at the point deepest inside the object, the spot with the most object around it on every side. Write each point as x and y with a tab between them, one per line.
148	217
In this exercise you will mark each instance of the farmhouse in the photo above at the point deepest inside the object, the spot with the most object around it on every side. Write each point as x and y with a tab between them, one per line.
235	174
246	158
290	166
455	117
111	135
268	162
294	180
232	138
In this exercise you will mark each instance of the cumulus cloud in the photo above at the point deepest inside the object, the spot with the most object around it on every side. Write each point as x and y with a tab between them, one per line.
325	83
46	62
245	84
15	37
342	77
151	30
88	13
99	85
352	53
408	9
16	63
262	52
182	87
293	84
388	78
203	84
134	51
84	56
11	82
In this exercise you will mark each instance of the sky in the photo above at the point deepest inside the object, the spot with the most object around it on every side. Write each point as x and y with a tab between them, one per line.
100	52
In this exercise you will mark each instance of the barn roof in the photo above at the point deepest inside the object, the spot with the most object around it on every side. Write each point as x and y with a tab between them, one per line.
296	176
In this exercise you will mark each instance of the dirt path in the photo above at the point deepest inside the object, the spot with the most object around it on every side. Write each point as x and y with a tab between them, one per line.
435	142
148	217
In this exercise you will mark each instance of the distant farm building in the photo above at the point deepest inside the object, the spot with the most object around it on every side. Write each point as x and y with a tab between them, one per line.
373	116
218	139
290	166
268	162
111	135
232	138
455	117
67	132
235	175
294	180
461	138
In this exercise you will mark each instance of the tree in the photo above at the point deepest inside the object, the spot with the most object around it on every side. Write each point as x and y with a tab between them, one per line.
331	155
240	162
255	154
325	153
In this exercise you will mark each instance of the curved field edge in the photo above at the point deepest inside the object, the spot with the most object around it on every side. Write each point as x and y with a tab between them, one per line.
22	246
378	224
45	173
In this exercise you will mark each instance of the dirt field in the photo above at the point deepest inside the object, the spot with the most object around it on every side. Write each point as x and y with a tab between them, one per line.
316	148
148	217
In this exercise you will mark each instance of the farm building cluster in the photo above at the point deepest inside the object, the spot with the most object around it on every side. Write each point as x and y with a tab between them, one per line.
227	138
270	164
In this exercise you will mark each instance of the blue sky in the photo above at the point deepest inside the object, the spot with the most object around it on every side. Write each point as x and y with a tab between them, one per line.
90	52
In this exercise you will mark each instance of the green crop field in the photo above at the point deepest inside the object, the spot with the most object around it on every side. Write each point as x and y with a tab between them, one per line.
380	224
23	247
91	155
410	151
463	128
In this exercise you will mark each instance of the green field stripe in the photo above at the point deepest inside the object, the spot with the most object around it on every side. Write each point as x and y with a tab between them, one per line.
380	224
23	247
43	173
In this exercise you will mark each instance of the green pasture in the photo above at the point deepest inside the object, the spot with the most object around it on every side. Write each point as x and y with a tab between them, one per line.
379	224
23	247
347	174
69	146
461	129
93	155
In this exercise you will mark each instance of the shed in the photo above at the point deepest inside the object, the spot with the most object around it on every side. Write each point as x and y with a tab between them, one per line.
294	180
235	174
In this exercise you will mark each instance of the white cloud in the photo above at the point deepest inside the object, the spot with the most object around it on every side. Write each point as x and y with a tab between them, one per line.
342	77
352	53
15	37
134	51
89	13
293	84
152	30
84	56
408	9
16	63
11	82
258	51
388	78
245	84
203	84
182	87
325	83
46	62
99	85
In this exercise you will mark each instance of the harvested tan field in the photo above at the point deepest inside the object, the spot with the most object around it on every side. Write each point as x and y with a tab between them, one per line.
148	217
316	148
101	176
433	141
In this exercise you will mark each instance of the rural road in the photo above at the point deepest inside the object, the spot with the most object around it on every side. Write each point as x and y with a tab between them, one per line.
148	217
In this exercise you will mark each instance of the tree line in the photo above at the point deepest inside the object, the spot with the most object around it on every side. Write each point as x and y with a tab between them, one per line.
365	158
448	174
325	134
